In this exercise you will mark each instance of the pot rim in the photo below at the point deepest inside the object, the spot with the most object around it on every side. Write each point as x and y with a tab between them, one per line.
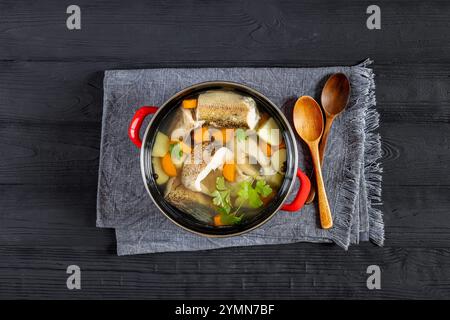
253	92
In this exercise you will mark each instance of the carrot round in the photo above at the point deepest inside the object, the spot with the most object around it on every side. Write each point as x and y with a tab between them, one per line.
229	172
189	103
217	220
266	148
168	166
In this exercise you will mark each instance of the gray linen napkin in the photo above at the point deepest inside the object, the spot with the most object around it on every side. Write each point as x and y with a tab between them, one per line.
351	167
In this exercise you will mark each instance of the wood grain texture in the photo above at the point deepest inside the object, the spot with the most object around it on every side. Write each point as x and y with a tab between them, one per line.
303	271
50	121
74	90
192	31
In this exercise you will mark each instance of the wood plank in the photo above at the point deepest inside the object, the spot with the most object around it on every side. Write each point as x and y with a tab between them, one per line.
191	31
272	272
48	216
415	154
49	153
52	216
416	216
76	91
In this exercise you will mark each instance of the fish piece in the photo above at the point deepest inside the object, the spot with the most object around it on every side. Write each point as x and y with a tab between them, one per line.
182	124
194	203
227	109
193	173
189	175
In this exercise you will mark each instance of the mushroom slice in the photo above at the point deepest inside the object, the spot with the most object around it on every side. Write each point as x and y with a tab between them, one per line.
248	169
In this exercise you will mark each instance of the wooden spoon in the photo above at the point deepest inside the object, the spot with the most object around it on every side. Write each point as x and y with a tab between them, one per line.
308	121
335	96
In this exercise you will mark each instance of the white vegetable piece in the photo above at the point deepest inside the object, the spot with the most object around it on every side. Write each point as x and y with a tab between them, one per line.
270	132
254	151
178	161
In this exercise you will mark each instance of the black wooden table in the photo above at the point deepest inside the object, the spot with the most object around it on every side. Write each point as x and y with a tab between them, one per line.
50	120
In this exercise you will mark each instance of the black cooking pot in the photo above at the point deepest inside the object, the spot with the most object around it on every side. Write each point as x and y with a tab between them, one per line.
188	222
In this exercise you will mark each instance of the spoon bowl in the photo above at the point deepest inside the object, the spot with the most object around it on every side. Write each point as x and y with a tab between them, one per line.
308	119
335	94
309	124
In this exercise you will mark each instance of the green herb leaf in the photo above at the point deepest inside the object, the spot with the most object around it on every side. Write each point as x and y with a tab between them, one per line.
240	134
244	188
248	193
222	211
263	188
222	196
253	199
220	184
230	219
222	200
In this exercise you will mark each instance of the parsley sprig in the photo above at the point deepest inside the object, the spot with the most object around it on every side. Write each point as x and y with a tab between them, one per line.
253	194
246	194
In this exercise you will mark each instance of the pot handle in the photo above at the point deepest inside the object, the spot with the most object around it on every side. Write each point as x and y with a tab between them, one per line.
136	124
302	193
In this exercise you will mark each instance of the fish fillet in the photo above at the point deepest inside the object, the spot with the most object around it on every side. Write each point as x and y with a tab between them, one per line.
182	123
194	174
227	109
194	203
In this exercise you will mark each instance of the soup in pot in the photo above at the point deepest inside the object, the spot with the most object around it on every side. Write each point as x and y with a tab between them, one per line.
219	157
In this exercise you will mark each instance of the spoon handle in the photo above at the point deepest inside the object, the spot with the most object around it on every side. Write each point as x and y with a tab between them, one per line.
324	208
322	146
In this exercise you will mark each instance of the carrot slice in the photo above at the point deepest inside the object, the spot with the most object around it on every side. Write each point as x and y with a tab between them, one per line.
201	134
189	103
217	220
229	172
168	166
227	134
266	148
